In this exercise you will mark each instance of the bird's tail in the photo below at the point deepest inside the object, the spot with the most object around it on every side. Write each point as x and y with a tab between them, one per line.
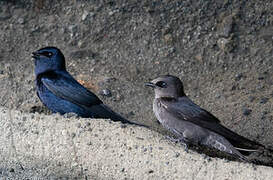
219	142
247	150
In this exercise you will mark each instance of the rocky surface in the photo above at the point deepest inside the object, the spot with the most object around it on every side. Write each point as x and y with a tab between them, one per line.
36	146
221	50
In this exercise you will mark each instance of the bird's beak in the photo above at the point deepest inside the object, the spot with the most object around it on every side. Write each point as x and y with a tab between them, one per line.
150	84
35	55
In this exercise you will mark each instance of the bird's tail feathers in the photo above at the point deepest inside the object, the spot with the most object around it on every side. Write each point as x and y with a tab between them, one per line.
247	150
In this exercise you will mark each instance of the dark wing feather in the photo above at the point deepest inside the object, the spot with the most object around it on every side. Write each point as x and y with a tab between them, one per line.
65	86
185	109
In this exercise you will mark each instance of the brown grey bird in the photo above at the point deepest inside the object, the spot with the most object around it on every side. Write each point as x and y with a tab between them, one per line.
192	124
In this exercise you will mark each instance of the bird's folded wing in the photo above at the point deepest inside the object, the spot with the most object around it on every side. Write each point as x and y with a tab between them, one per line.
188	111
65	86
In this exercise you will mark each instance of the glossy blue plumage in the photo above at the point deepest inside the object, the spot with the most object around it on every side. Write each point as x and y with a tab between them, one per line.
61	93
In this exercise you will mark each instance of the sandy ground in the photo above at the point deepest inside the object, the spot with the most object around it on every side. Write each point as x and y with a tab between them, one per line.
221	50
35	146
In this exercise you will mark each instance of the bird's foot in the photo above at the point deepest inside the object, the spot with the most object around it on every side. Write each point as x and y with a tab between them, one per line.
175	140
185	146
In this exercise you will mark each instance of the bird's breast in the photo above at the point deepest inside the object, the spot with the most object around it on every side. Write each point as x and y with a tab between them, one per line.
160	112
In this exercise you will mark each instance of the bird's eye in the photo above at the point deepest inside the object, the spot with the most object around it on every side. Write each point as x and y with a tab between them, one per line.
161	84
47	54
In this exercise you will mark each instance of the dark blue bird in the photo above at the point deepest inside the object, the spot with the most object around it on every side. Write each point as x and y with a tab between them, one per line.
61	93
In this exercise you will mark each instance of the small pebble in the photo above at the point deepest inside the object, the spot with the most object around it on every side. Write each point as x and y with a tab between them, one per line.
73	29
217	95
111	13
177	155
21	21
246	111
106	92
87	123
151	171
265	112
263	100
118	97
238	77
85	15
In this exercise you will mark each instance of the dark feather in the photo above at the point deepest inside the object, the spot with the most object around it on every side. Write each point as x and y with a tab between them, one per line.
185	109
64	86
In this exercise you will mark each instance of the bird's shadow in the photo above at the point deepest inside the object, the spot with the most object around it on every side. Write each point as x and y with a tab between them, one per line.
39	110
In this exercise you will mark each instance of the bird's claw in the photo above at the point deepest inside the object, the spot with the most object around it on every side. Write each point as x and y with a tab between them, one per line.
185	146
175	140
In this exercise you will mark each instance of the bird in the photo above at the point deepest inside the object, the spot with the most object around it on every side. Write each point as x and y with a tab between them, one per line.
192	124
61	93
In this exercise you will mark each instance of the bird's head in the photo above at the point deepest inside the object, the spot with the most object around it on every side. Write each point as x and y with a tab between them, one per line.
167	86
48	59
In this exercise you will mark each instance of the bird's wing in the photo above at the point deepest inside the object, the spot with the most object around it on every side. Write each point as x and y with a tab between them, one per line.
185	109
65	86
